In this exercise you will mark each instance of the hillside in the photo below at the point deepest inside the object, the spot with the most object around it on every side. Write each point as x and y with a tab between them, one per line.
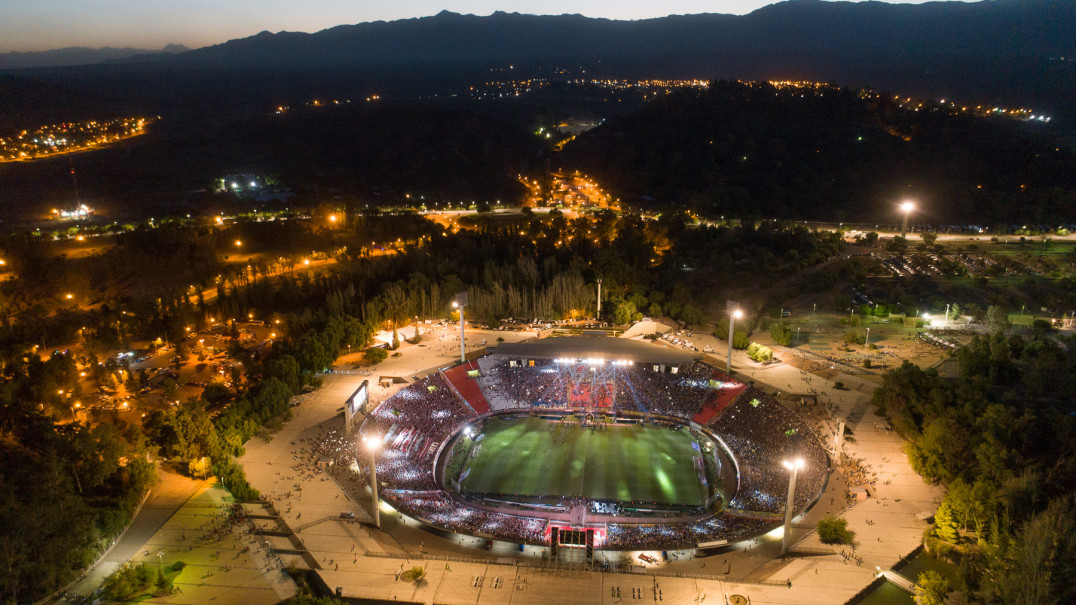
755	150
365	151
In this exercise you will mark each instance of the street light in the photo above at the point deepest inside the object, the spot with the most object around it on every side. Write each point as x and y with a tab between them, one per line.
867	339
906	207
460	303
373	443
794	466
733	316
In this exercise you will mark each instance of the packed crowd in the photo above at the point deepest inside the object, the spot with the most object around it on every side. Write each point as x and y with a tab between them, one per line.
643	387
762	434
438	509
722	526
411	425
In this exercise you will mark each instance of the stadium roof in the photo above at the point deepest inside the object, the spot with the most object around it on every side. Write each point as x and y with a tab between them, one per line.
598	347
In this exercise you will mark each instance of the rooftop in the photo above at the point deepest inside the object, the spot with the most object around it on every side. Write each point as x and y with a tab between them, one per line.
596	347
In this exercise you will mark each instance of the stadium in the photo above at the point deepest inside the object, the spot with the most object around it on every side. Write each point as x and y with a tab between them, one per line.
593	443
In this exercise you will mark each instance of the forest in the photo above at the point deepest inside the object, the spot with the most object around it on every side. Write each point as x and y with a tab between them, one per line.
1000	436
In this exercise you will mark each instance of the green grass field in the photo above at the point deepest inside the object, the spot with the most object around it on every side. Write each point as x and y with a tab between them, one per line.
641	463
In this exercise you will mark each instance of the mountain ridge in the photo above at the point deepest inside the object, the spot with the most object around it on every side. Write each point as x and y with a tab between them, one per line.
80	55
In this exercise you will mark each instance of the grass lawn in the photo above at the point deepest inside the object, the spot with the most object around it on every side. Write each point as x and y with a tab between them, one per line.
530	456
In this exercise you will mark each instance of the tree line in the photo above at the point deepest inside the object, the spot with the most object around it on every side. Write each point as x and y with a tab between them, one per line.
1000	436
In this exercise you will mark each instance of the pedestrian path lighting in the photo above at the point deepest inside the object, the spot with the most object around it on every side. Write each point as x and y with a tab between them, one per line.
794	466
373	443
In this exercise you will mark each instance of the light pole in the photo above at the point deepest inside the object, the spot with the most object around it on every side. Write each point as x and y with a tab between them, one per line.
460	303
599	315
372	445
867	339
733	316
947	316
906	208
794	466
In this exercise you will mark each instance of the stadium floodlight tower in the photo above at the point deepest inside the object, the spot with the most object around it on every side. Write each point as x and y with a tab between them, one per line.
599	315
735	312
794	466
906	207
459	303
373	443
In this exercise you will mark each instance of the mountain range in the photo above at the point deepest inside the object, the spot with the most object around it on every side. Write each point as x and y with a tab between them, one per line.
80	55
995	51
887	32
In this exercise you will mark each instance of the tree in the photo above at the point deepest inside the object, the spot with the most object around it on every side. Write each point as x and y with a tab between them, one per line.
945	524
163	585
781	333
624	313
997	319
929	238
740	341
870	238
375	355
759	353
215	393
931	588
833	530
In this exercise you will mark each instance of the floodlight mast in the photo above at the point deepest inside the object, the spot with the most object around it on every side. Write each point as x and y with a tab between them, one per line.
906	207
794	466
459	303
372	445
733	316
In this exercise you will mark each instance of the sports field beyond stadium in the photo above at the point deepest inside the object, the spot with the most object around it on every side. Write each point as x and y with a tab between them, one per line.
535	457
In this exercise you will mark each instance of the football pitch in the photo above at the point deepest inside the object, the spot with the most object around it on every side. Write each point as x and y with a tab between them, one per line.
534	457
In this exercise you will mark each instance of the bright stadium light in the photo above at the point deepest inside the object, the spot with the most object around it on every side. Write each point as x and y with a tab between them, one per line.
459	303
373	443
907	207
794	466
735	312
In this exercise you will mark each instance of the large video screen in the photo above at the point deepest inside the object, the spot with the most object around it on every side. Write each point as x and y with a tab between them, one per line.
358	398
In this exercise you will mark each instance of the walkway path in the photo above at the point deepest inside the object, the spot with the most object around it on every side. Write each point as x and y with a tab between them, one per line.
167	497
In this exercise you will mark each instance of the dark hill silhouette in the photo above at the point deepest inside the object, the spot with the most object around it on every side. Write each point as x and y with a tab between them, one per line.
1001	28
756	151
80	55
937	44
378	153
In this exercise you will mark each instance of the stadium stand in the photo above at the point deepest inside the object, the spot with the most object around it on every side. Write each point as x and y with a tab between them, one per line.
467	387
758	431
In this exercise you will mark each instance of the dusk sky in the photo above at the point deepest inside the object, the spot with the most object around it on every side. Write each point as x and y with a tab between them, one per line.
28	25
